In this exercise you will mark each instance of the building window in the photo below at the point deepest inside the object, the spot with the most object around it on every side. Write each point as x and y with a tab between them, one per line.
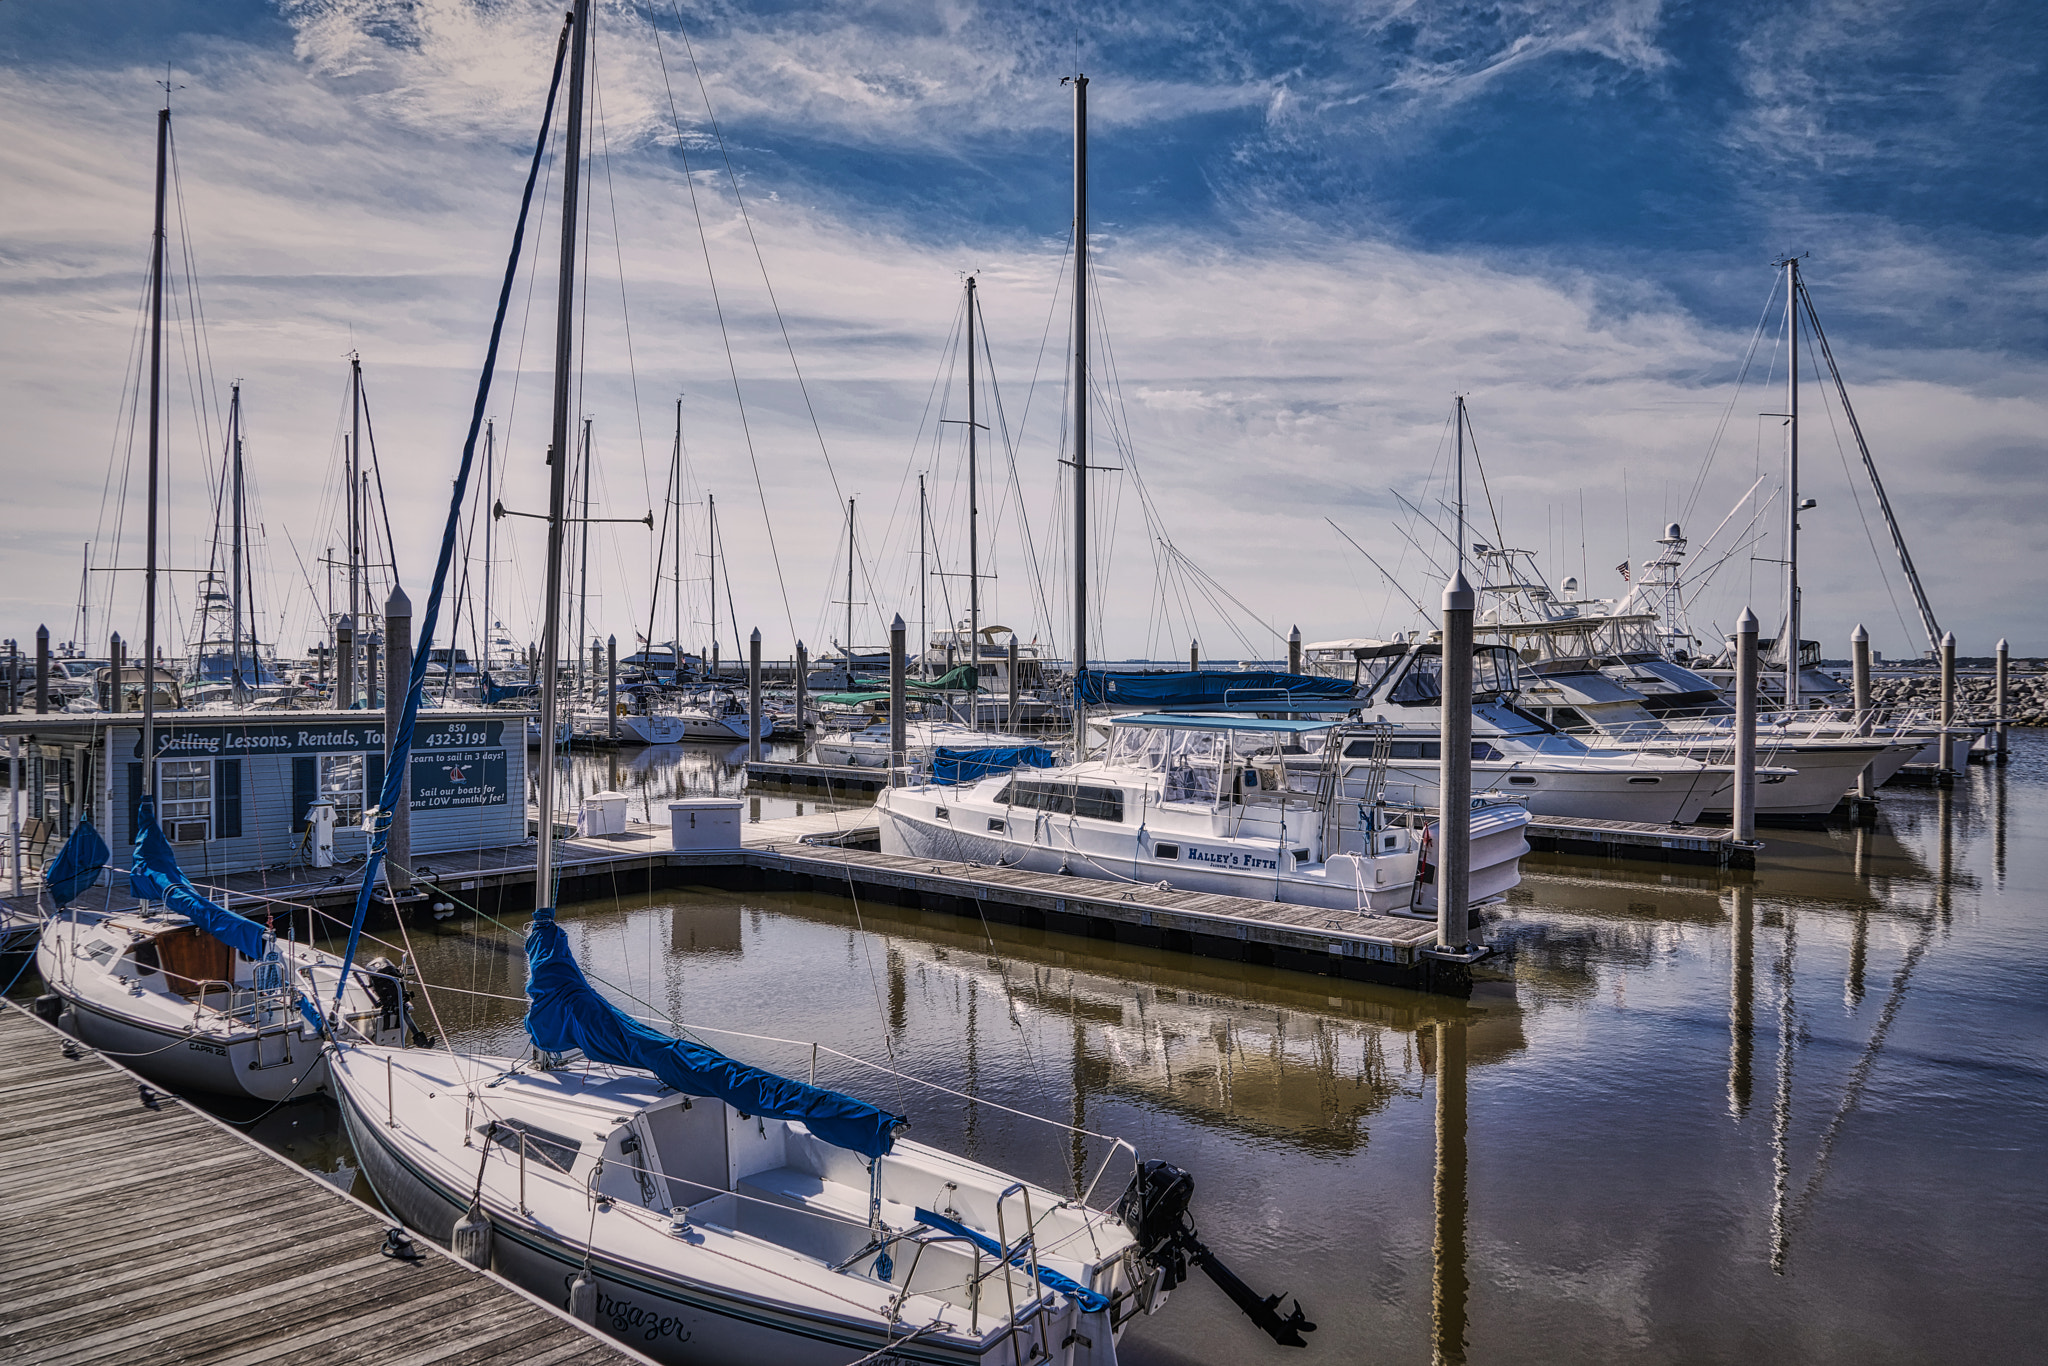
184	789
341	782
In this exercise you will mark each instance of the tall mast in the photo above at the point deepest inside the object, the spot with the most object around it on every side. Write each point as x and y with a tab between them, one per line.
973	540
1791	640
848	649
355	529
1461	483
675	475
235	511
924	607
558	458
711	555
490	494
1080	407
583	567
156	370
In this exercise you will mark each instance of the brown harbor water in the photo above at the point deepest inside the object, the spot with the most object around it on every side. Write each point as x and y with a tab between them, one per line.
1800	1117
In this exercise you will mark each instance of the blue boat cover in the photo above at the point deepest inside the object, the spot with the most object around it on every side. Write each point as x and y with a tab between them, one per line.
77	865
970	765
154	875
1097	687
1091	1301
565	1012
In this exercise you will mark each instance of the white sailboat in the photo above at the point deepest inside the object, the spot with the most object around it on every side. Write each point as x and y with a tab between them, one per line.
185	991
707	1211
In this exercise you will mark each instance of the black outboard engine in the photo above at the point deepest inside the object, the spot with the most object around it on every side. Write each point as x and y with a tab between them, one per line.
389	987
1155	1209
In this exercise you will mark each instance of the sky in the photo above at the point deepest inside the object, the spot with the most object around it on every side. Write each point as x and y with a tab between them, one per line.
1312	227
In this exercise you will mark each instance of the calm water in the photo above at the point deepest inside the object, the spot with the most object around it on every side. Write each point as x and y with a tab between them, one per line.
1798	1119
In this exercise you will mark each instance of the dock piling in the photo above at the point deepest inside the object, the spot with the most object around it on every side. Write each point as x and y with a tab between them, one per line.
397	683
42	670
754	695
803	686
611	689
1194	657
1454	772
1294	651
2000	676
1745	726
1859	674
897	745
344	669
1010	716
1948	701
115	702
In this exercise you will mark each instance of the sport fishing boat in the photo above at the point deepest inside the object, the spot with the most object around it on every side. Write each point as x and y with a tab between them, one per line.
1514	752
709	1211
1275	810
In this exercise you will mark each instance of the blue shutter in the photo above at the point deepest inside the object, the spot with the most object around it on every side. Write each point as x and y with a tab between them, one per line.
227	799
305	787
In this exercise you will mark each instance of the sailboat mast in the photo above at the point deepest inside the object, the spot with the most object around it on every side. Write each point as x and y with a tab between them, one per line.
558	458
1461	483
924	606
973	529
711	580
1080	387
583	566
675	477
490	493
156	370
848	649
355	531
235	511
1791	641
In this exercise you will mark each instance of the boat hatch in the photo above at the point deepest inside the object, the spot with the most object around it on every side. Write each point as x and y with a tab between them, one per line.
542	1145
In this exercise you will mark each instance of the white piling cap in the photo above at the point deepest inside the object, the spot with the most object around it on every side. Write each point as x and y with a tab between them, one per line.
398	604
1948	640
346	623
897	624
2002	648
1859	636
1746	623
1458	594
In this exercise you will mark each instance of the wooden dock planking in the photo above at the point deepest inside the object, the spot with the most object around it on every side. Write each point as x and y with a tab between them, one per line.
204	1247
1714	846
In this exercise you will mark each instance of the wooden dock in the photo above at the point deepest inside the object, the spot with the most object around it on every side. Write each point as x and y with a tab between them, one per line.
199	1245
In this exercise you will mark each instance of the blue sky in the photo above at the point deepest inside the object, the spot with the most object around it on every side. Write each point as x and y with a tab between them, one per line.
1315	224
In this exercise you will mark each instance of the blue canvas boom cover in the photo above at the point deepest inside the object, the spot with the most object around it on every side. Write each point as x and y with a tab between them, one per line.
77	865
565	1012
154	875
951	766
1169	690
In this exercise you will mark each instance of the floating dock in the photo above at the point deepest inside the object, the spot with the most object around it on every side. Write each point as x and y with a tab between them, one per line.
203	1246
1707	845
828	781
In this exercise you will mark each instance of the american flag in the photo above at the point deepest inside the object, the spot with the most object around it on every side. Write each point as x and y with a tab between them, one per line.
1622	569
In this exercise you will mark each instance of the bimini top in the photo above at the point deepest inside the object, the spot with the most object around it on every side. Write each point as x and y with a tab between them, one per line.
1217	720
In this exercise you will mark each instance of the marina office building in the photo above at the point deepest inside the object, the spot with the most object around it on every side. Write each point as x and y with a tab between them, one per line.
233	789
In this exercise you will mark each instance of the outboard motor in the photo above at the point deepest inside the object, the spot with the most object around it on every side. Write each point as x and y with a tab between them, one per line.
389	987
1155	1209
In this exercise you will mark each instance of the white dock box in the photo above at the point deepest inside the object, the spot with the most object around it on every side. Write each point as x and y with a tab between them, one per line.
604	813
699	824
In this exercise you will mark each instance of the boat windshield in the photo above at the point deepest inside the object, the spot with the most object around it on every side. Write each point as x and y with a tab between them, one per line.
1189	757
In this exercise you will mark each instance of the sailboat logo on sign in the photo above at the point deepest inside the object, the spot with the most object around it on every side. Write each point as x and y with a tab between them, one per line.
457	773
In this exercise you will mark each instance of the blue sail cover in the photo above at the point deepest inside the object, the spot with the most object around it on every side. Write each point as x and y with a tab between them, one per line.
971	765
565	1012
154	875
1091	1301
1168	690
77	865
